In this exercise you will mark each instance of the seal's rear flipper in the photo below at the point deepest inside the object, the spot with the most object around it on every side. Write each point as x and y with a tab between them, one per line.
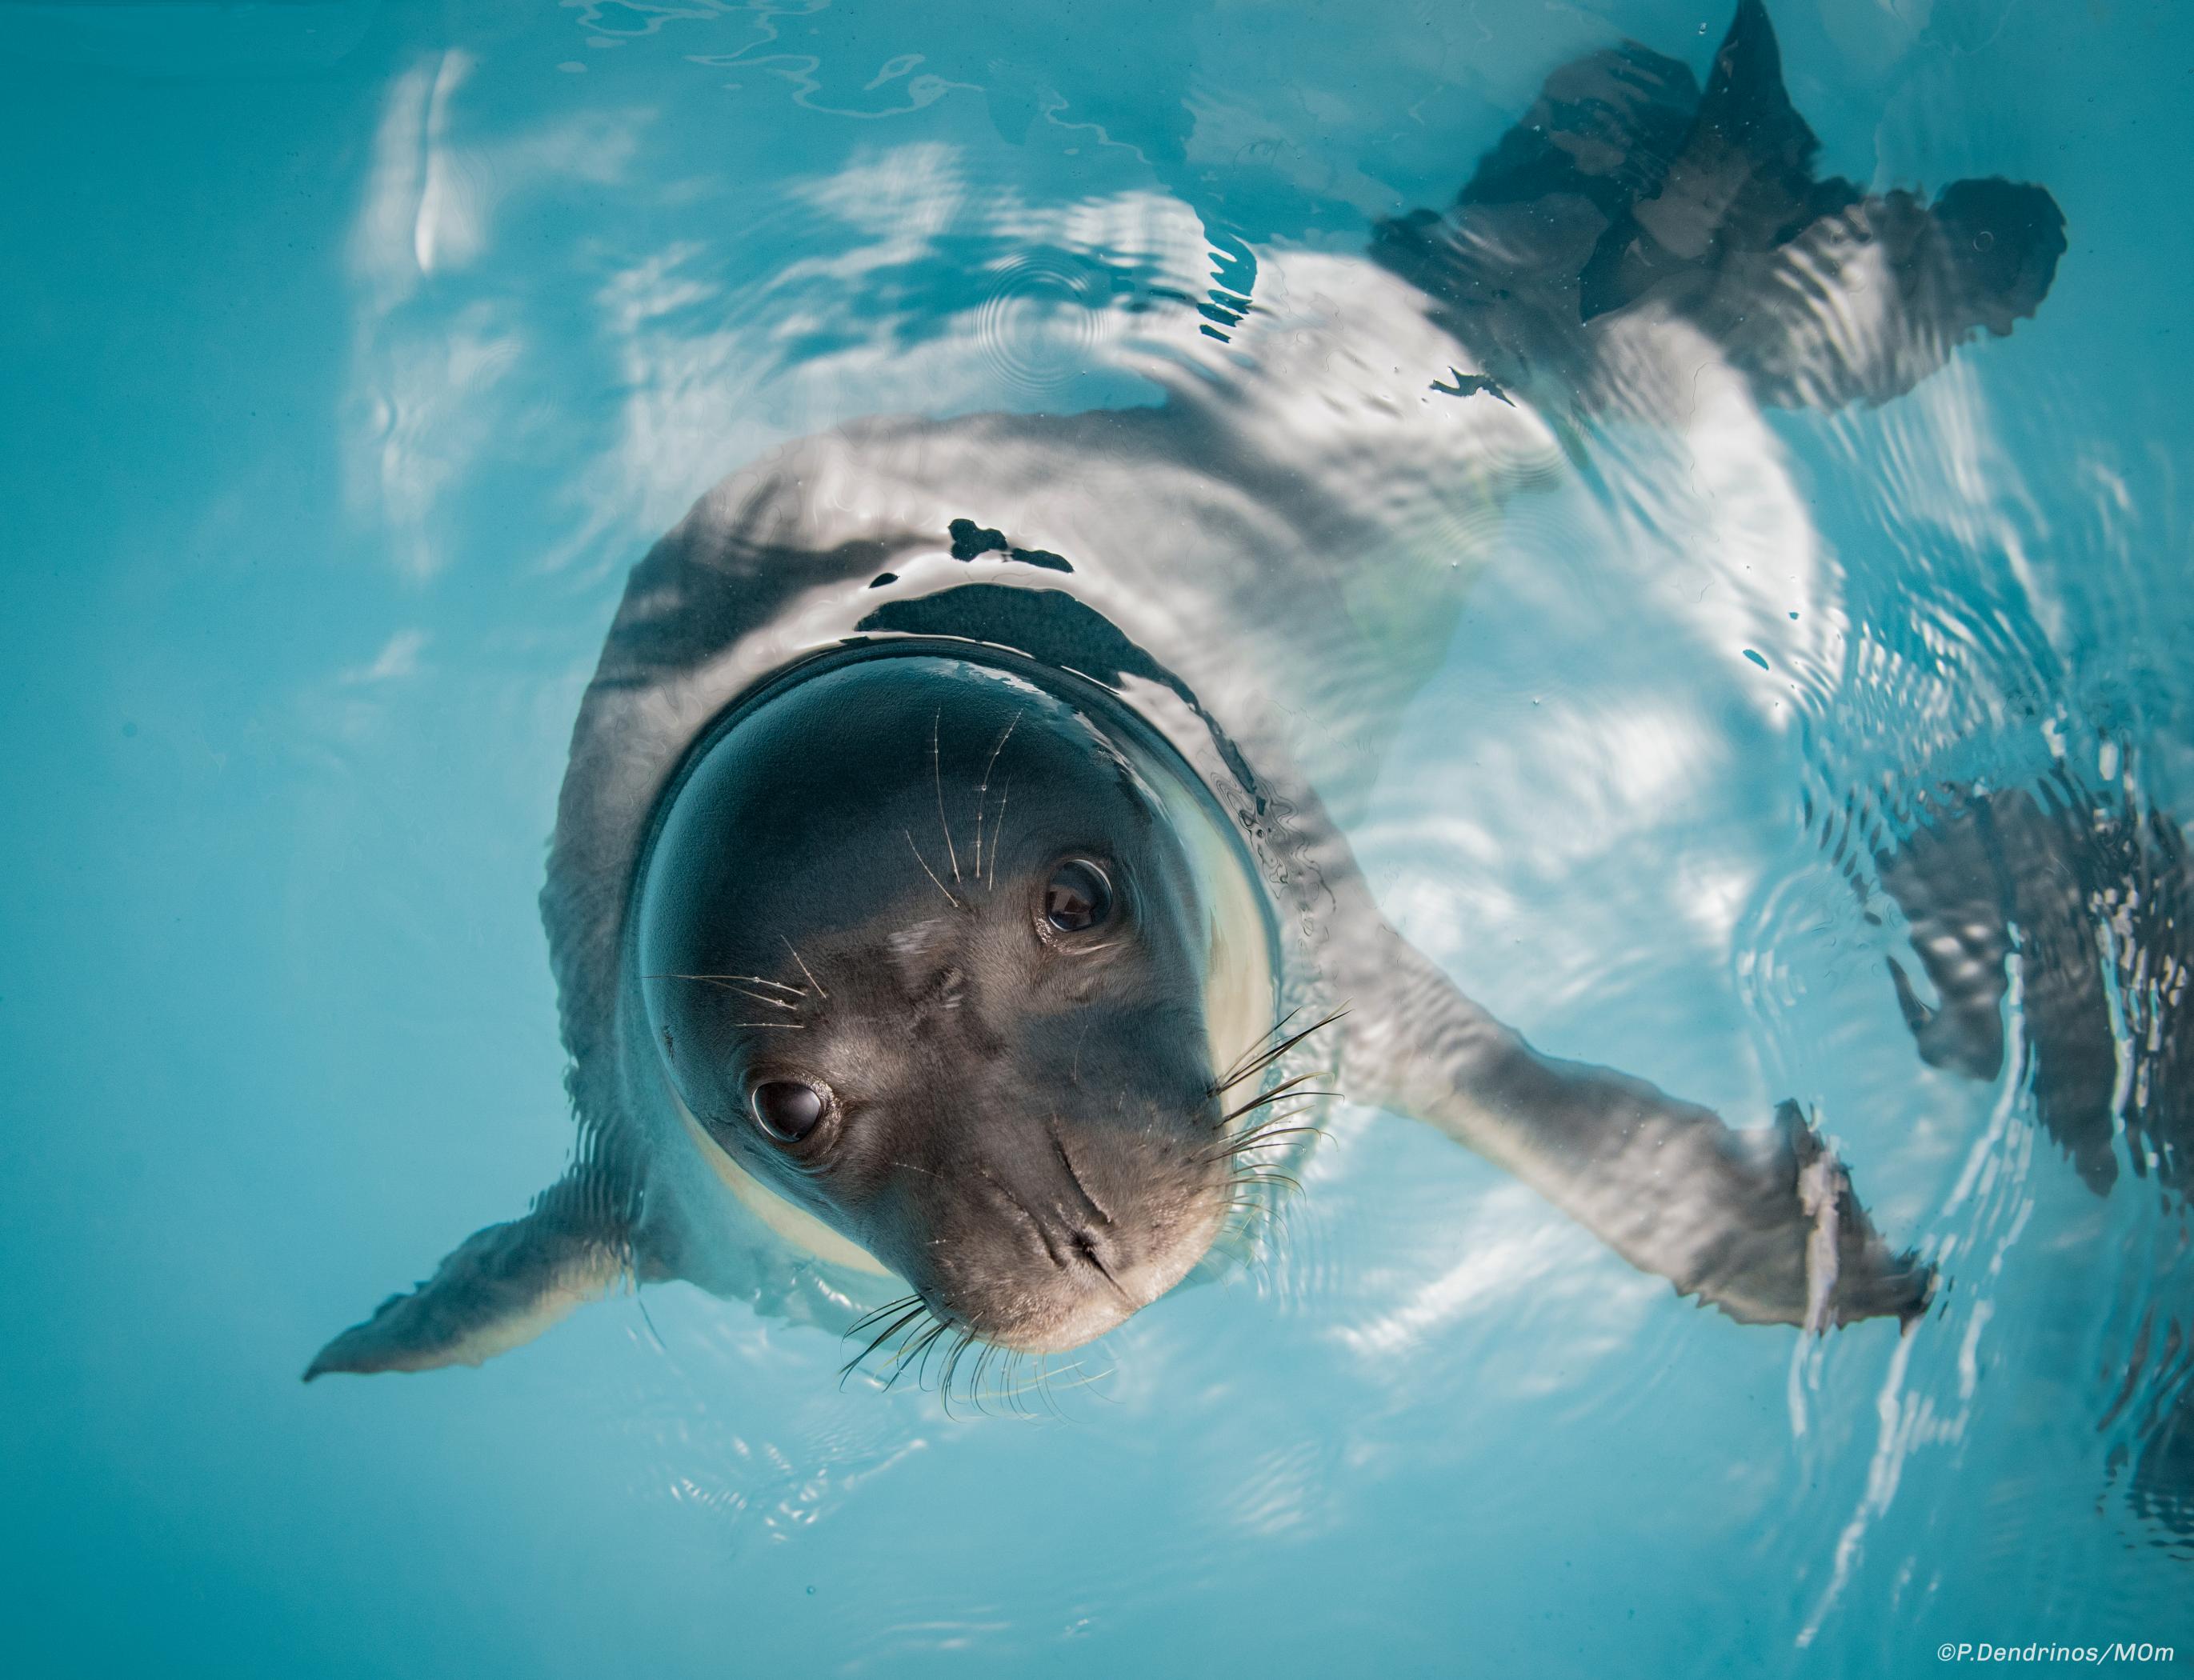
1762	1223
1862	304
1741	180
2094	900
1623	189
500	1288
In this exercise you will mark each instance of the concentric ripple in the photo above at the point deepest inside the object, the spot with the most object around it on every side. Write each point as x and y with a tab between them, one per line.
1038	322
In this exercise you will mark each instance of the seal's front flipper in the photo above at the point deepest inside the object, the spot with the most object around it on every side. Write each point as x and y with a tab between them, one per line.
500	1286
1762	1223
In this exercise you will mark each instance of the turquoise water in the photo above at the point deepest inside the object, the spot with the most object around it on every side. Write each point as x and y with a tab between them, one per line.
355	352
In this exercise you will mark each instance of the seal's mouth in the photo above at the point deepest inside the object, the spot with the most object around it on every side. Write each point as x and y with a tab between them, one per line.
1038	1239
1087	1282
923	1337
1081	1265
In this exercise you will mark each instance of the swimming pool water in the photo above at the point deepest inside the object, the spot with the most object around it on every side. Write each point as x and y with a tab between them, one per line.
354	351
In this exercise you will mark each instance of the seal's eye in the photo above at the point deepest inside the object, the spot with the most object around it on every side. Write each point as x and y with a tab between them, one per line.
1077	897
787	1108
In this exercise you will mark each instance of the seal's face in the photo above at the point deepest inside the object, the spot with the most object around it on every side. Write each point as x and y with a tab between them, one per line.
925	953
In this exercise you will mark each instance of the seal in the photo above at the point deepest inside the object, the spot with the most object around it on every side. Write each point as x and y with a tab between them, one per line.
949	904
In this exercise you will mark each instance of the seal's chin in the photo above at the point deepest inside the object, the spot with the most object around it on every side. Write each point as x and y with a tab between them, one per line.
1087	1294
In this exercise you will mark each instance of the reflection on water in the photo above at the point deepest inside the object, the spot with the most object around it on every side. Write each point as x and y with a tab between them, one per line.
1728	655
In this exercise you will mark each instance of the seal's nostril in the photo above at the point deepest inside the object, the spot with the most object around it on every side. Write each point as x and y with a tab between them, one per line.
1086	1246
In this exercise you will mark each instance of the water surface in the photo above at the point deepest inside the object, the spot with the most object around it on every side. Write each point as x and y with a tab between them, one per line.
354	353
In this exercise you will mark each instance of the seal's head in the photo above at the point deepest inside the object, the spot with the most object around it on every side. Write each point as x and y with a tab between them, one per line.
939	950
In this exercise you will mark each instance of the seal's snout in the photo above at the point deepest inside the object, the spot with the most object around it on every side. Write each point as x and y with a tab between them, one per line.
1052	1240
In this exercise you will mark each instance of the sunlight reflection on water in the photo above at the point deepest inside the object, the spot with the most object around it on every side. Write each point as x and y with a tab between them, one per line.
537	313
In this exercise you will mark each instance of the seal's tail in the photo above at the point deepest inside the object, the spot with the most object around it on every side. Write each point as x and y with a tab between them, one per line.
1625	189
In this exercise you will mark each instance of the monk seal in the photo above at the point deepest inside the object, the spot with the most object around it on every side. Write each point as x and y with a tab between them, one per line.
950	903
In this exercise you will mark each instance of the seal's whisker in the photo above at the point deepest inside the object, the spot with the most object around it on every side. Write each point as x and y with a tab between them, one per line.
975	1378
1033	1383
882	1335
913	1344
1256	1224
764	997
1044	1376
884	1311
1021	1378
909	1349
1014	1387
1234	1073
960	1343
991	1350
916	1347
773	1026
739	984
982	787
1087	1379
1264	1059
723	979
1260	1203
1232	1142
1036	1385
1286	1087
879	1314
931	873
927	1344
1267	1057
1270	1138
1248	1134
952	1366
805	969
968	1341
1265	1137
895	1328
999	827
937	776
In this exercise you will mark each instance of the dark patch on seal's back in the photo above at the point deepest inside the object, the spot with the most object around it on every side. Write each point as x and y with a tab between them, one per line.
970	540
1053	628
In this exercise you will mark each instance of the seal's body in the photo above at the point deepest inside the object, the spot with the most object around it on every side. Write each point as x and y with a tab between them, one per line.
948	861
